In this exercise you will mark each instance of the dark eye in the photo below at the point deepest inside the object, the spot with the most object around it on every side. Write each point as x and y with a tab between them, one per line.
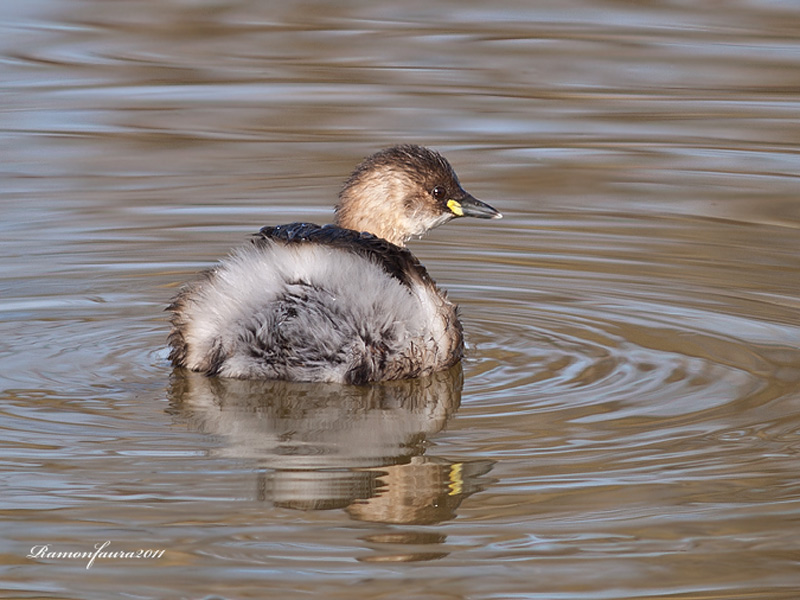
439	192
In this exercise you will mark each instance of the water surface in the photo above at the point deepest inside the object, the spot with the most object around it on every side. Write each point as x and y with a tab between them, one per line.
627	422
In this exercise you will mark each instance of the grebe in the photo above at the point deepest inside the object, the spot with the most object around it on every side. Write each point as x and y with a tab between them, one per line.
341	303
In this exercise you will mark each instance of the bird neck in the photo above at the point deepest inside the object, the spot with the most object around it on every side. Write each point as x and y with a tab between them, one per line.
374	209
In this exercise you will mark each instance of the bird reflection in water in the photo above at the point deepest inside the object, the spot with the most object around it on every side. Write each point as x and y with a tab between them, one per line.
330	446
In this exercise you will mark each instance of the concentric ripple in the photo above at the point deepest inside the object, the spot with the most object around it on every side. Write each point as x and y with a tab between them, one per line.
613	319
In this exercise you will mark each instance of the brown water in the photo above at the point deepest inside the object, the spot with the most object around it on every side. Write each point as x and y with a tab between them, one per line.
627	423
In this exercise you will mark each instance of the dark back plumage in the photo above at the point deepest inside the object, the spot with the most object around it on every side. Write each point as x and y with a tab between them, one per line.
398	262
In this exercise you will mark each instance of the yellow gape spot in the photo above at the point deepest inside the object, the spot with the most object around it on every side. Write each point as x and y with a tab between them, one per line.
455	208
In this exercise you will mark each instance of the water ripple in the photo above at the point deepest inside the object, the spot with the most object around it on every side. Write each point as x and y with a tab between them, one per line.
584	330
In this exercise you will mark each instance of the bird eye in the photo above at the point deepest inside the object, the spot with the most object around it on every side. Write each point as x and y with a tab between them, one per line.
439	192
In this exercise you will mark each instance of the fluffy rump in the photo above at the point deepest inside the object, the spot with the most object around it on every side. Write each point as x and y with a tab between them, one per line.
314	310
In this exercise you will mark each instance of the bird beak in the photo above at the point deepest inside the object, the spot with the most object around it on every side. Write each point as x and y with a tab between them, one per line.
467	206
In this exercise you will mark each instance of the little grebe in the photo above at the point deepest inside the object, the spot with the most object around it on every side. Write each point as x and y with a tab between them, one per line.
341	303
